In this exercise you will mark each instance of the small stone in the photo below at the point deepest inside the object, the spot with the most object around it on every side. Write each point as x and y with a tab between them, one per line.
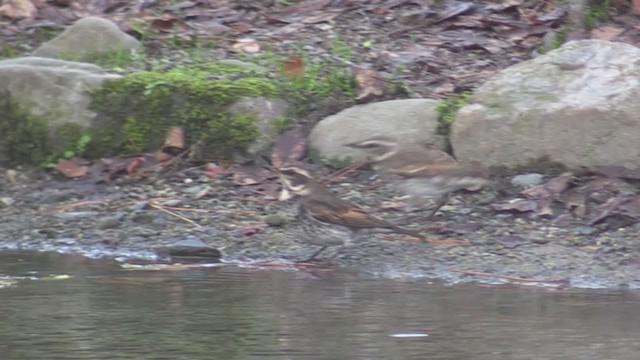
6	202
190	247
72	215
275	220
194	189
66	241
527	180
108	223
512	241
143	217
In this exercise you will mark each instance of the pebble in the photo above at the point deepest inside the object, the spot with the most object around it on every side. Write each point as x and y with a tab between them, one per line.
275	220
6	201
109	223
527	180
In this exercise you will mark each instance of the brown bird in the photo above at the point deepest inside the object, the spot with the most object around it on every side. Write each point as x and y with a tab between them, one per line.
422	171
328	220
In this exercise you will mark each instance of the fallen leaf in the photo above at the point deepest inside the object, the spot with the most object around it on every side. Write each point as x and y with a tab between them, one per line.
174	143
134	165
247	45
214	171
163	23
304	7
615	171
250	175
73	168
249	230
552	187
635	6
18	9
242	27
320	18
519	205
370	84
293	67
289	147
606	33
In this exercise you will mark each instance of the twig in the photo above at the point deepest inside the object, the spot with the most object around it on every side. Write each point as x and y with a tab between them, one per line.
162	208
506	277
343	171
72	206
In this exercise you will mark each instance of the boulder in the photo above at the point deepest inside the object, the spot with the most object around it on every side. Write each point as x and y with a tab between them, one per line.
56	92
577	105
415	121
88	39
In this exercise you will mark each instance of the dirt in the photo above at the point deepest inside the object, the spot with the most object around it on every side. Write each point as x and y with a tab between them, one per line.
437	52
468	240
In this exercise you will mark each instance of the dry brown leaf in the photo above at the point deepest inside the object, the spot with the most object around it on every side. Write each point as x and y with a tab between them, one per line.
163	23
520	205
319	18
606	33
293	67
615	171
135	165
214	171
174	143
242	27
370	84
73	168
18	9
247	45
635	6
289	147
250	175
304	7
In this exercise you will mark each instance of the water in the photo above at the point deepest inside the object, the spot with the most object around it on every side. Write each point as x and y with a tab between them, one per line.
105	312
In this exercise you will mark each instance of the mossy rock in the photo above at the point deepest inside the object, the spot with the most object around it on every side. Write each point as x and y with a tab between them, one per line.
138	110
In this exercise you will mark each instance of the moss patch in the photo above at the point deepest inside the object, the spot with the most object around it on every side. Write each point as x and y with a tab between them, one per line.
143	106
24	137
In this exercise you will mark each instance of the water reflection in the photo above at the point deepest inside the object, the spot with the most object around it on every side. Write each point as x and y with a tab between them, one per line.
104	312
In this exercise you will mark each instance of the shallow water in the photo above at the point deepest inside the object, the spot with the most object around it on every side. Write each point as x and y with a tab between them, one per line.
105	312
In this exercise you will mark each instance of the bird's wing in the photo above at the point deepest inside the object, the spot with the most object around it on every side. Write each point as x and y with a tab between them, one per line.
336	211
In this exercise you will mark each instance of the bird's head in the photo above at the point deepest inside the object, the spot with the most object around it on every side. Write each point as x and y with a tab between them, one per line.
378	147
296	179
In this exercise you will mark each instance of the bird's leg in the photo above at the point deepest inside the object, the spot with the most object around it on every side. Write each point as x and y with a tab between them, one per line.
439	203
315	254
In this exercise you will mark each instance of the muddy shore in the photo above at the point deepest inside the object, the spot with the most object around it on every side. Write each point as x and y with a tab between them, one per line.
130	219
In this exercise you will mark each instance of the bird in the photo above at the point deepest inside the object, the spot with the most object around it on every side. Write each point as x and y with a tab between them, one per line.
328	220
422	171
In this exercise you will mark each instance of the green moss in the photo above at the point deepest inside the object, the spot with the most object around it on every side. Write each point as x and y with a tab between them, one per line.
448	108
598	10
24	136
143	106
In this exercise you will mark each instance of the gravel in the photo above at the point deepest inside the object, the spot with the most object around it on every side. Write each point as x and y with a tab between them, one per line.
111	220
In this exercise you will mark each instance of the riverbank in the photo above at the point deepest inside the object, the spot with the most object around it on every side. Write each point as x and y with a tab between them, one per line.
471	242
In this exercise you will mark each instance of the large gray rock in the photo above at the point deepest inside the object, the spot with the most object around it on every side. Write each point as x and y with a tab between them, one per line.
577	105
88	39
55	91
415	121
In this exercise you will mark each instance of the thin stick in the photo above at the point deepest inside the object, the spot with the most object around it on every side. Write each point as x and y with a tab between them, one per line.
343	171
160	207
506	277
